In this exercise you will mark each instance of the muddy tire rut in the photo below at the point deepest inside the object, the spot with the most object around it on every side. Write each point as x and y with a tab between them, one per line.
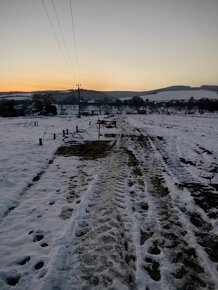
102	249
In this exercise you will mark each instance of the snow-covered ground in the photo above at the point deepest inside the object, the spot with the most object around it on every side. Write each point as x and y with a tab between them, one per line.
16	96
21	156
135	211
180	95
193	138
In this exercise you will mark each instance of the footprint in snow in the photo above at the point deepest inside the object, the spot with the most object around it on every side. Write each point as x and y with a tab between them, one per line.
13	280
24	261
153	269
38	236
39	265
43	245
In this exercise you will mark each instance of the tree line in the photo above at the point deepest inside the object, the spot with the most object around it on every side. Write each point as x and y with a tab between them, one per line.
39	105
46	104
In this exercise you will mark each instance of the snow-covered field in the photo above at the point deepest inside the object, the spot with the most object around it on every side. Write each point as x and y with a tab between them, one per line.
22	158
135	210
16	96
181	95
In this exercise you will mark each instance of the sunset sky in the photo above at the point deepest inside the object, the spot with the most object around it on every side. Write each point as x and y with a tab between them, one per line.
121	44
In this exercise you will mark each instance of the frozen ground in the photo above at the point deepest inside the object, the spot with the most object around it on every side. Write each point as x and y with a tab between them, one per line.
137	210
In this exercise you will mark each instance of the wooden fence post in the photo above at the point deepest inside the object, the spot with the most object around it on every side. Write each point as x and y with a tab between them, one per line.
40	142
99	129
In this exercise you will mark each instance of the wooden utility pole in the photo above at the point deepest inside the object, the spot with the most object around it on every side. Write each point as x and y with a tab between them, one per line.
78	90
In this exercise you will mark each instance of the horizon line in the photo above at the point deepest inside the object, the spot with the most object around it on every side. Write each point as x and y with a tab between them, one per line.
113	90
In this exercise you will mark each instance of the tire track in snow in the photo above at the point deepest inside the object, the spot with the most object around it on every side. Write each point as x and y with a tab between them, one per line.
169	240
200	212
205	196
101	253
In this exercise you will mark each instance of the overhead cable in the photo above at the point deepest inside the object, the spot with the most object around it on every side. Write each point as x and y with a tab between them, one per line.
74	39
56	37
62	36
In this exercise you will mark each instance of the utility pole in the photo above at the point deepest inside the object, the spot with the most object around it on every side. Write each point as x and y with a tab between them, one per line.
78	90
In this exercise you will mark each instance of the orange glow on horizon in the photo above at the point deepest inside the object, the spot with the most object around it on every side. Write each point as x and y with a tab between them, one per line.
95	86
39	83
57	78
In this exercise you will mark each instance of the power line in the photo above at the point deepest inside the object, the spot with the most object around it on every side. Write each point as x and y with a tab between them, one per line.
62	36
56	37
74	38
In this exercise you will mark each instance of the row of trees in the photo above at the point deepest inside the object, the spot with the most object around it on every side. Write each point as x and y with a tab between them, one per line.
192	105
46	105
41	105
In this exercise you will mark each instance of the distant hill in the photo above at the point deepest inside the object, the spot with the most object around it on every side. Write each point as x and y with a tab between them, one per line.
95	95
130	94
123	94
59	95
211	88
101	95
181	95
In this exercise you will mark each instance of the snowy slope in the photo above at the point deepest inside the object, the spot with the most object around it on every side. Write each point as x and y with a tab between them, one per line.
181	95
16	96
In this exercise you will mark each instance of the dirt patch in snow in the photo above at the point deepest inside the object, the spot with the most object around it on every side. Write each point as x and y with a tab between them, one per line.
87	150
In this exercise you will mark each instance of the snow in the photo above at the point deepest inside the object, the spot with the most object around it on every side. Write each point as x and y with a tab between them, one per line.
180	95
190	137
21	156
16	96
107	223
